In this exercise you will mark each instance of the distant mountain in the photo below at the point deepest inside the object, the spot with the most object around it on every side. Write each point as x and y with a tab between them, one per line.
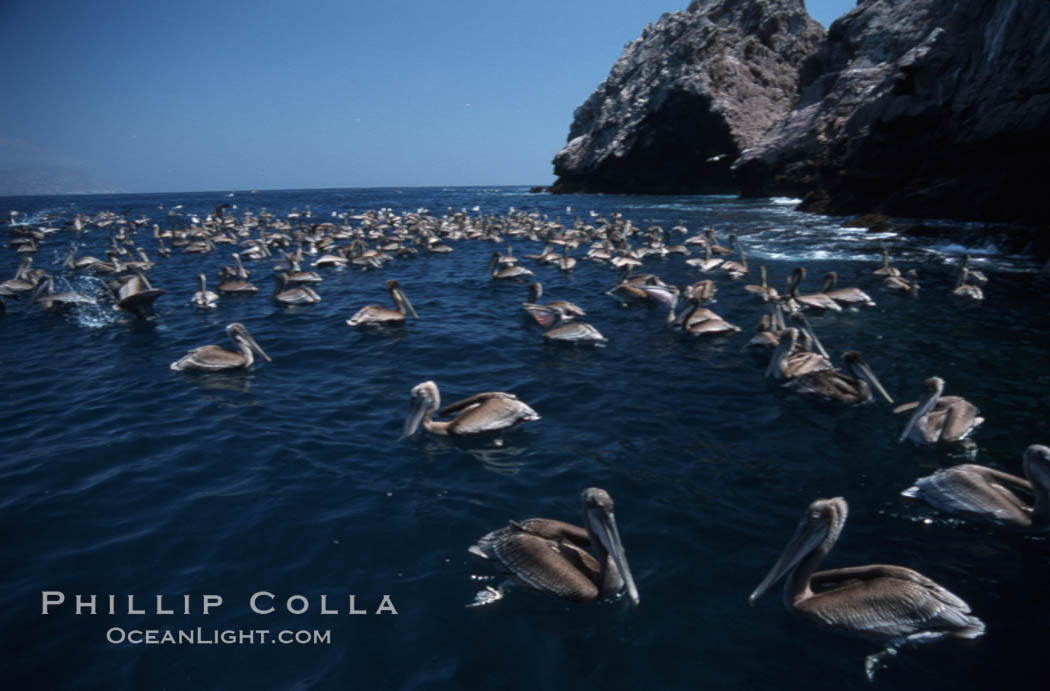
47	180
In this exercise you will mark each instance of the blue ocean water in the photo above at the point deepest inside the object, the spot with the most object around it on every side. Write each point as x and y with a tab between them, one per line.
120	476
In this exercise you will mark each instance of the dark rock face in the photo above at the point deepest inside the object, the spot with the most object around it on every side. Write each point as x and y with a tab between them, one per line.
928	108
684	99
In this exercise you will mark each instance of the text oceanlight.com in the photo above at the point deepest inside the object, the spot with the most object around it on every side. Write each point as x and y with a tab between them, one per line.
203	636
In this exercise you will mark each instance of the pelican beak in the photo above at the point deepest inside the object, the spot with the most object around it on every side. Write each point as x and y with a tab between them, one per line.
808	536
866	372
812	335
417	409
408	304
926	404
250	340
604	525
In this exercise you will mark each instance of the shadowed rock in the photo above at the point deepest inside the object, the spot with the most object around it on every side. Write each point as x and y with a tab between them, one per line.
685	98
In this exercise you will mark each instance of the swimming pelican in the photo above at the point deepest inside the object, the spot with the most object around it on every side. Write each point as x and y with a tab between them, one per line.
501	270
846	296
135	295
570	308
886	269
898	284
817	300
491	411
889	604
375	315
788	364
967	290
707	263
736	269
203	298
991	496
287	293
964	267
212	358
852	386
699	321
763	289
49	300
236	280
547	555
553	318
937	417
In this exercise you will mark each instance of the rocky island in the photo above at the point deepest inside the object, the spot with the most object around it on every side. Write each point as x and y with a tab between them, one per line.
919	108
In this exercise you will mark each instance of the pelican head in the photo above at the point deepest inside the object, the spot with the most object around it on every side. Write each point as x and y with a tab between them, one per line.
535	291
399	297
242	338
600	521
860	370
932	390
798	274
830	279
788	339
424	402
818	530
1036	464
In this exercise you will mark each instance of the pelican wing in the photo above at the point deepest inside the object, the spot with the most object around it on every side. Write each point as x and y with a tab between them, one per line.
556	568
474	400
960	419
975	491
881	601
210	357
492	415
831	384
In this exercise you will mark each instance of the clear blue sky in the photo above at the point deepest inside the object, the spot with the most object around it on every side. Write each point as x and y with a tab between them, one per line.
239	94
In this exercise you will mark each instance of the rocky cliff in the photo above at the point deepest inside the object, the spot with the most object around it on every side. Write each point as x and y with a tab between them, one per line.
685	98
919	108
928	108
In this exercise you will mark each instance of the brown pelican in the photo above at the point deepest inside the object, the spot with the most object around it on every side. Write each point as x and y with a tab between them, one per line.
939	418
236	280
376	315
846	296
135	295
492	411
817	300
852	386
632	286
203	298
286	293
212	358
889	604
886	269
707	263
22	281
898	284
788	364
702	290
49	300
570	308
763	290
699	321
967	290
553	318
501	270
984	494
712	241
769	327
566	263
736	269
547	555
964	267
